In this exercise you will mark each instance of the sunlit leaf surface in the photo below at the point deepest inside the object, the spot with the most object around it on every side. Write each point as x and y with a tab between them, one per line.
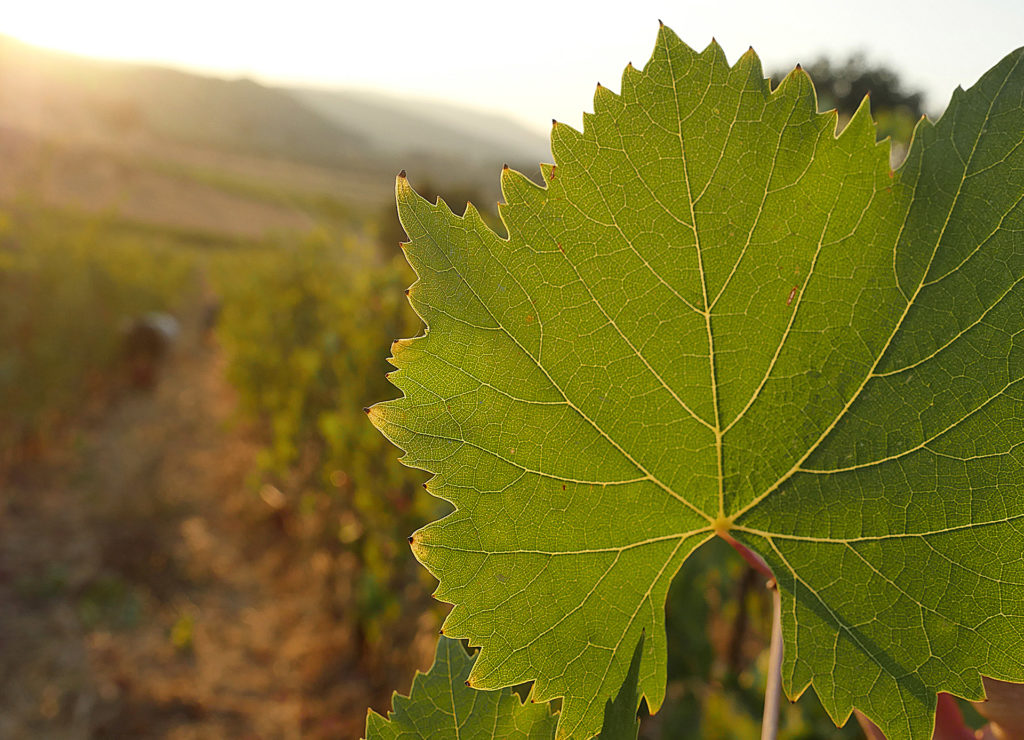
718	315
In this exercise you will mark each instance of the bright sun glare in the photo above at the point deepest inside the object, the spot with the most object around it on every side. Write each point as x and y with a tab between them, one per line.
79	30
122	29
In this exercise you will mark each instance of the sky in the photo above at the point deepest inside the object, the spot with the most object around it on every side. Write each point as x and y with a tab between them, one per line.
532	61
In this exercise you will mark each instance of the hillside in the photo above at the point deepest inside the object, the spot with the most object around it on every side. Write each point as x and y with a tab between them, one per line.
419	128
73	97
58	110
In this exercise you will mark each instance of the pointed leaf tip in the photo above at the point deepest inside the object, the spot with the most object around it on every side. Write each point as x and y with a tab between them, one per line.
366	409
402	174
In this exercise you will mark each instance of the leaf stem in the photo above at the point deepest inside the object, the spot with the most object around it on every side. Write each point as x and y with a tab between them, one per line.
754	560
770	719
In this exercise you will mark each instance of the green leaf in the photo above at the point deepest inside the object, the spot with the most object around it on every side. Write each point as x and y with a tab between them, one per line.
441	705
620	718
720	317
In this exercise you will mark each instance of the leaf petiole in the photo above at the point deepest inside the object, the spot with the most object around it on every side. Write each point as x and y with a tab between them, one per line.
773	691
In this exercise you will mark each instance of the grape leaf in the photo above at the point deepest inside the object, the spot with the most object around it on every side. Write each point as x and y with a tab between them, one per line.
441	705
719	317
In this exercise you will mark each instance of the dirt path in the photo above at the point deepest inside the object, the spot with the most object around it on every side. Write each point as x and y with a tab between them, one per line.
147	591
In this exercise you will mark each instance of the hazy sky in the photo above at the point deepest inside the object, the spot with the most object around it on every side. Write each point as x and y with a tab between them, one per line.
532	60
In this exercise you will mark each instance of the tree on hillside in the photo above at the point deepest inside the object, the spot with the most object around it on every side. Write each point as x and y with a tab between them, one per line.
842	85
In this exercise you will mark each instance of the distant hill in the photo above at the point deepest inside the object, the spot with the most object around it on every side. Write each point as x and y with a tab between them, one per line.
147	112
403	127
61	94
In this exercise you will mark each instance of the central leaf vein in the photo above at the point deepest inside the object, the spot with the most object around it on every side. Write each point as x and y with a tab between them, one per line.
704	291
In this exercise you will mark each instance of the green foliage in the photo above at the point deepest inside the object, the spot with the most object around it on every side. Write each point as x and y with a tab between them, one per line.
67	284
442	705
302	326
719	317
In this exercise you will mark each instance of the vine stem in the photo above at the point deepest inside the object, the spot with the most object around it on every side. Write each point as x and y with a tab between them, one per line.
773	691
